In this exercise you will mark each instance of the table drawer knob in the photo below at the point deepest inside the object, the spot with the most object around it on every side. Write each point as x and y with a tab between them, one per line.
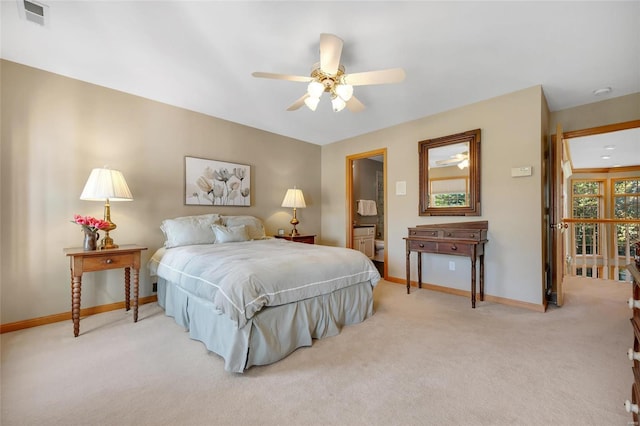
631	408
633	356
421	245
634	303
108	261
454	247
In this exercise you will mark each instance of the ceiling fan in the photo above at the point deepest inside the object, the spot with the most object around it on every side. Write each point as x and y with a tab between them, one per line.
329	76
461	160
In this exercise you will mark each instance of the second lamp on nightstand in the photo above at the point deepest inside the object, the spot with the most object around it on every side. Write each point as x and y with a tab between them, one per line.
294	198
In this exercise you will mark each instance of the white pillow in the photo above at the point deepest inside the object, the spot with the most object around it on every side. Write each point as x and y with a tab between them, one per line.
255	228
188	230
230	234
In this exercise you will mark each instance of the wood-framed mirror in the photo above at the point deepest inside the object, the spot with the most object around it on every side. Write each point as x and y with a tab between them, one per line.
450	175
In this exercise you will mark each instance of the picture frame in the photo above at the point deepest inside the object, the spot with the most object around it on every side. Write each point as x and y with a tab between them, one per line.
216	183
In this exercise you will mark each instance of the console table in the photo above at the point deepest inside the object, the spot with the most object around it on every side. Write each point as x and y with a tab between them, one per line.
458	239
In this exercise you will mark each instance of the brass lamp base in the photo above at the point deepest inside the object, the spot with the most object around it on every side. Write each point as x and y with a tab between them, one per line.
107	242
294	222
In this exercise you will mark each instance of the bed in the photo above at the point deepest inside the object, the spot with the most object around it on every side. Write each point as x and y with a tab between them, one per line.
252	299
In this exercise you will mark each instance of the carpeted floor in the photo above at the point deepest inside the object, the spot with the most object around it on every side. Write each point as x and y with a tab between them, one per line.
422	359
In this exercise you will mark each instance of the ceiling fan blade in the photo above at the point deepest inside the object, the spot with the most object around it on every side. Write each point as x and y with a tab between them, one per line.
297	104
452	161
330	52
392	75
354	105
281	76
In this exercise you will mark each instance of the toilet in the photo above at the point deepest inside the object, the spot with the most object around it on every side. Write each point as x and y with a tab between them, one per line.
379	250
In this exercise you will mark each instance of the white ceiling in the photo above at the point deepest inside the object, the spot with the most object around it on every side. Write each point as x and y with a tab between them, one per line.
200	55
606	150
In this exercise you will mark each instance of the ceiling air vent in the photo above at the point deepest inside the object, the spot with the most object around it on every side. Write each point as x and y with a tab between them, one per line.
34	11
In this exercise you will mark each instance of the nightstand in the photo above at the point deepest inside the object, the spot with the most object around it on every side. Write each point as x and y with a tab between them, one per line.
308	239
126	256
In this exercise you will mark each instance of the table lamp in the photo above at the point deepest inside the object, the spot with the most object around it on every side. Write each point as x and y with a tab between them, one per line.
106	185
294	199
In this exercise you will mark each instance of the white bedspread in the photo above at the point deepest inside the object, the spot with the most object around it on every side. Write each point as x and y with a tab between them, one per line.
241	278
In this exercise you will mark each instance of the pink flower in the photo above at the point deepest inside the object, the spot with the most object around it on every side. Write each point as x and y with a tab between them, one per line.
90	224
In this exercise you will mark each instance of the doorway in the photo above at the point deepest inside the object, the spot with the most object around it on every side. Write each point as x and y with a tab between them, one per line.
366	205
586	213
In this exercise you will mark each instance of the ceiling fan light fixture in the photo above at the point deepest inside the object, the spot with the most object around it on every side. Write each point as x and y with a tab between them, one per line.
315	89
328	75
337	103
345	91
464	163
312	103
602	91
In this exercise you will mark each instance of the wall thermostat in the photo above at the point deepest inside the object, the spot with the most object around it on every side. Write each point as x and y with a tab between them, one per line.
521	171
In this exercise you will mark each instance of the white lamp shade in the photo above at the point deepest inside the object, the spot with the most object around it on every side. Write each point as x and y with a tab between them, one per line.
345	91
338	104
312	103
294	199
464	163
315	89
106	184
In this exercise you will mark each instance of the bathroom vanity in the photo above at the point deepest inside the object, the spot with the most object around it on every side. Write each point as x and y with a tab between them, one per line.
457	239
363	239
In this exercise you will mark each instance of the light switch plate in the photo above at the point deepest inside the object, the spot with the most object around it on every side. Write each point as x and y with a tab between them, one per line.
401	188
521	171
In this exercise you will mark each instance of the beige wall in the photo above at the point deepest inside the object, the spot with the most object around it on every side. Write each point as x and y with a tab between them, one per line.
511	135
56	129
514	128
602	113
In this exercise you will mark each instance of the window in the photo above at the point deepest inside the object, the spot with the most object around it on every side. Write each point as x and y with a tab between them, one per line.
587	199
626	205
605	241
626	198
586	203
449	192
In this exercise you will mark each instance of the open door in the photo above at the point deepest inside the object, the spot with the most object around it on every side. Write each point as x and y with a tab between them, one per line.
557	212
351	215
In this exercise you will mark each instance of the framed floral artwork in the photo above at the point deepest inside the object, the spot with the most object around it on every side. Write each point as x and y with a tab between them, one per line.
216	183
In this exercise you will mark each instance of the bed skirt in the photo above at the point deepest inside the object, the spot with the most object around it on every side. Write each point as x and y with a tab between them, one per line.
274	332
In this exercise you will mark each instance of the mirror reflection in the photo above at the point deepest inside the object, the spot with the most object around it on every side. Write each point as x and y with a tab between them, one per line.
450	175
